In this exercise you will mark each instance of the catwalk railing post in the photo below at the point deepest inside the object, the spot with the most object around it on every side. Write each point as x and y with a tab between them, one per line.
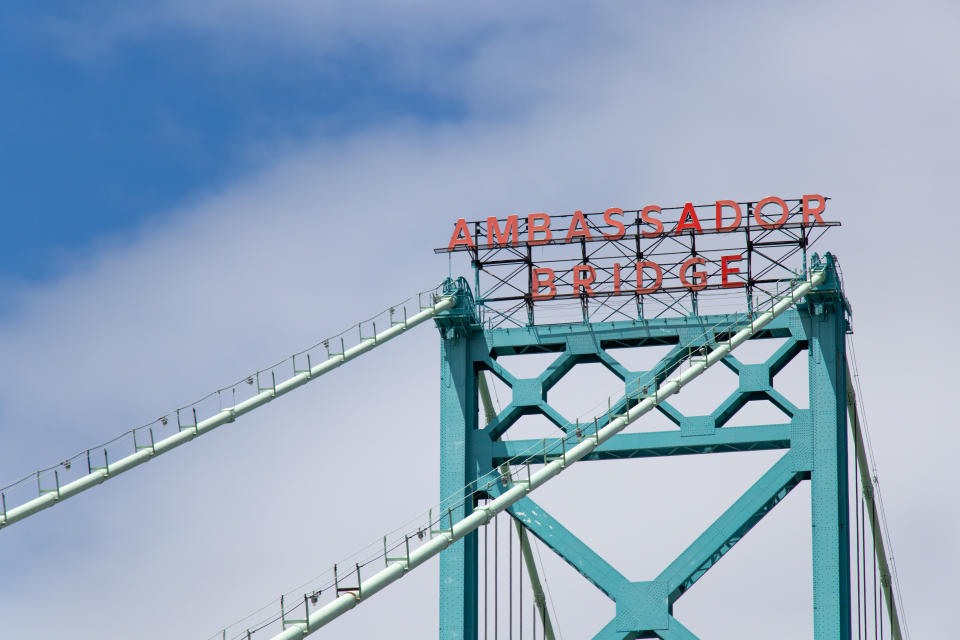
458	469
824	311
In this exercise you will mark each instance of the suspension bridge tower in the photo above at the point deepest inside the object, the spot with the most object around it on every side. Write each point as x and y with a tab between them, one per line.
609	314
697	281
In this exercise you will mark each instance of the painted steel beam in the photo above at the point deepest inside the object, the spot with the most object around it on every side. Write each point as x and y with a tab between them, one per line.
541	602
459	617
622	333
730	527
674	631
482	514
113	469
662	443
829	479
578	555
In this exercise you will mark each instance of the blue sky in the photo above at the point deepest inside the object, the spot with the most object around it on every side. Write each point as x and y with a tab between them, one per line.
100	138
190	190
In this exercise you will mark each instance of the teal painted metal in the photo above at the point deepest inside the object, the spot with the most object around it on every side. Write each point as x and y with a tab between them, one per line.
813	440
459	413
829	491
721	343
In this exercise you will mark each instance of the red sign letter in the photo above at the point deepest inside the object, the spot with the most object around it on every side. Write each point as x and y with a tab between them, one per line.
736	221
771	225
656	284
726	270
815	212
578	221
543	225
688	212
699	277
540	284
645	217
455	240
585	281
614	223
510	229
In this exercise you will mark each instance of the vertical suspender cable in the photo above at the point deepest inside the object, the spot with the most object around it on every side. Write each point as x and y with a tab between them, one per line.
868	483
520	590
486	571
496	580
873	537
510	573
863	537
856	521
533	614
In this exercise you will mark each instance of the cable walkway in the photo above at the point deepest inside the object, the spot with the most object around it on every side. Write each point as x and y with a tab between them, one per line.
407	552
49	486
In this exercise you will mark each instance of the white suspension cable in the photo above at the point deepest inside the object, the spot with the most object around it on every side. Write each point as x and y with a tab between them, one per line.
883	546
295	630
439	512
148	448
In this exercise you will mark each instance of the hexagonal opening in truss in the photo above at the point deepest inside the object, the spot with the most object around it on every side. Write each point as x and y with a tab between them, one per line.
706	392
640	358
757	412
583	392
793	381
651	422
532	427
527	365
757	350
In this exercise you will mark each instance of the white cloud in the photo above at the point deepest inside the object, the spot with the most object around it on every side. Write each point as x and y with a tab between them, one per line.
656	104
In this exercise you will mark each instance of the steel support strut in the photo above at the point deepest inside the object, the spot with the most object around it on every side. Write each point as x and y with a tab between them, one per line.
458	415
459	395
829	491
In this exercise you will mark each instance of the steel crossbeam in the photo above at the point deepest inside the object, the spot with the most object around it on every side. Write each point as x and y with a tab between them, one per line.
813	440
663	443
459	414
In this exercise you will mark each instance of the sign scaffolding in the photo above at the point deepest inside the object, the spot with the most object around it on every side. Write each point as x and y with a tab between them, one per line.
637	264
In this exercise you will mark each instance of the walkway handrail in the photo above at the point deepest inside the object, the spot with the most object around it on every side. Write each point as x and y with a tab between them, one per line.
295	630
99	467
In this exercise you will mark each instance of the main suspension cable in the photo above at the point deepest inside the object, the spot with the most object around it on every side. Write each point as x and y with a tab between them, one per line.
141	444
881	533
553	464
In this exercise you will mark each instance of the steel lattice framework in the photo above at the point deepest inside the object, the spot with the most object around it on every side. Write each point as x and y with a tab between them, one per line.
813	441
483	474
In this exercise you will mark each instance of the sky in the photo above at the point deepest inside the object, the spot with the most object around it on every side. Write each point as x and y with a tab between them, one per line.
190	191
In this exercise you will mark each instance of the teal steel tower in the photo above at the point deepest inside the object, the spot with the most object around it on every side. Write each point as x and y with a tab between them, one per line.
630	282
813	442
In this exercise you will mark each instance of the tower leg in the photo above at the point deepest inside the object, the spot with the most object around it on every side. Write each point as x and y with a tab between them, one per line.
458	416
829	486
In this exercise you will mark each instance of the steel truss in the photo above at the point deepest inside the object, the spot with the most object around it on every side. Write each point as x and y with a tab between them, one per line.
813	440
503	271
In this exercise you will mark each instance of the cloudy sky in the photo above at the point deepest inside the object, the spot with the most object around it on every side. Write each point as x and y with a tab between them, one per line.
191	190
